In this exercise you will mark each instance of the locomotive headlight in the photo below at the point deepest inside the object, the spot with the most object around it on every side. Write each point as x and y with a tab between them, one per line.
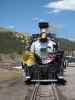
44	30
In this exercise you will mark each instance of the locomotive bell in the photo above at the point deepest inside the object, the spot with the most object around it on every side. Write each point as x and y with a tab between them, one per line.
44	27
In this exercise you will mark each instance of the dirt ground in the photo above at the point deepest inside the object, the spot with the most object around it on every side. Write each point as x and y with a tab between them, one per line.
68	90
12	86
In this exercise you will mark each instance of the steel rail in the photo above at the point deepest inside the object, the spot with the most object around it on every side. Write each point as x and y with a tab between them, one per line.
35	91
55	92
52	92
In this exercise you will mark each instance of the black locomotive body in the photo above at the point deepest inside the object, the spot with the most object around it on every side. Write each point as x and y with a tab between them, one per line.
52	71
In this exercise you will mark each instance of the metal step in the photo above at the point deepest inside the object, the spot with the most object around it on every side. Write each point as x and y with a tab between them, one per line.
54	80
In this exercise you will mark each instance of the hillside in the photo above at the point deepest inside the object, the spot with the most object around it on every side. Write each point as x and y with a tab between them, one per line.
67	45
9	43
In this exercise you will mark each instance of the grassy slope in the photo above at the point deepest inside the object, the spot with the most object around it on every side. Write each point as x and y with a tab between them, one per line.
9	43
66	44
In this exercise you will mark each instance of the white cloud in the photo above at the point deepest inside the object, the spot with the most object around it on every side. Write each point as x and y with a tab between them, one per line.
37	19
54	11
58	6
10	27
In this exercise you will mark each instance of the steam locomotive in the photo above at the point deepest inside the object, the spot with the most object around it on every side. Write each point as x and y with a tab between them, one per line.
36	69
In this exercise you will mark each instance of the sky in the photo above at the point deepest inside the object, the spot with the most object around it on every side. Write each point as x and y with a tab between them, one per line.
24	15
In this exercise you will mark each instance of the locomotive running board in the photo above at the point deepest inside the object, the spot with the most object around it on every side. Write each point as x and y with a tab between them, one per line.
44	80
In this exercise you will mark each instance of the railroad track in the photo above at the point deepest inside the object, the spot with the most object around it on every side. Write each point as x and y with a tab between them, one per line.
45	92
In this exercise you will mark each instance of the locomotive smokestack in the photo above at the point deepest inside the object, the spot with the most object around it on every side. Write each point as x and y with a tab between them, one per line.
43	27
